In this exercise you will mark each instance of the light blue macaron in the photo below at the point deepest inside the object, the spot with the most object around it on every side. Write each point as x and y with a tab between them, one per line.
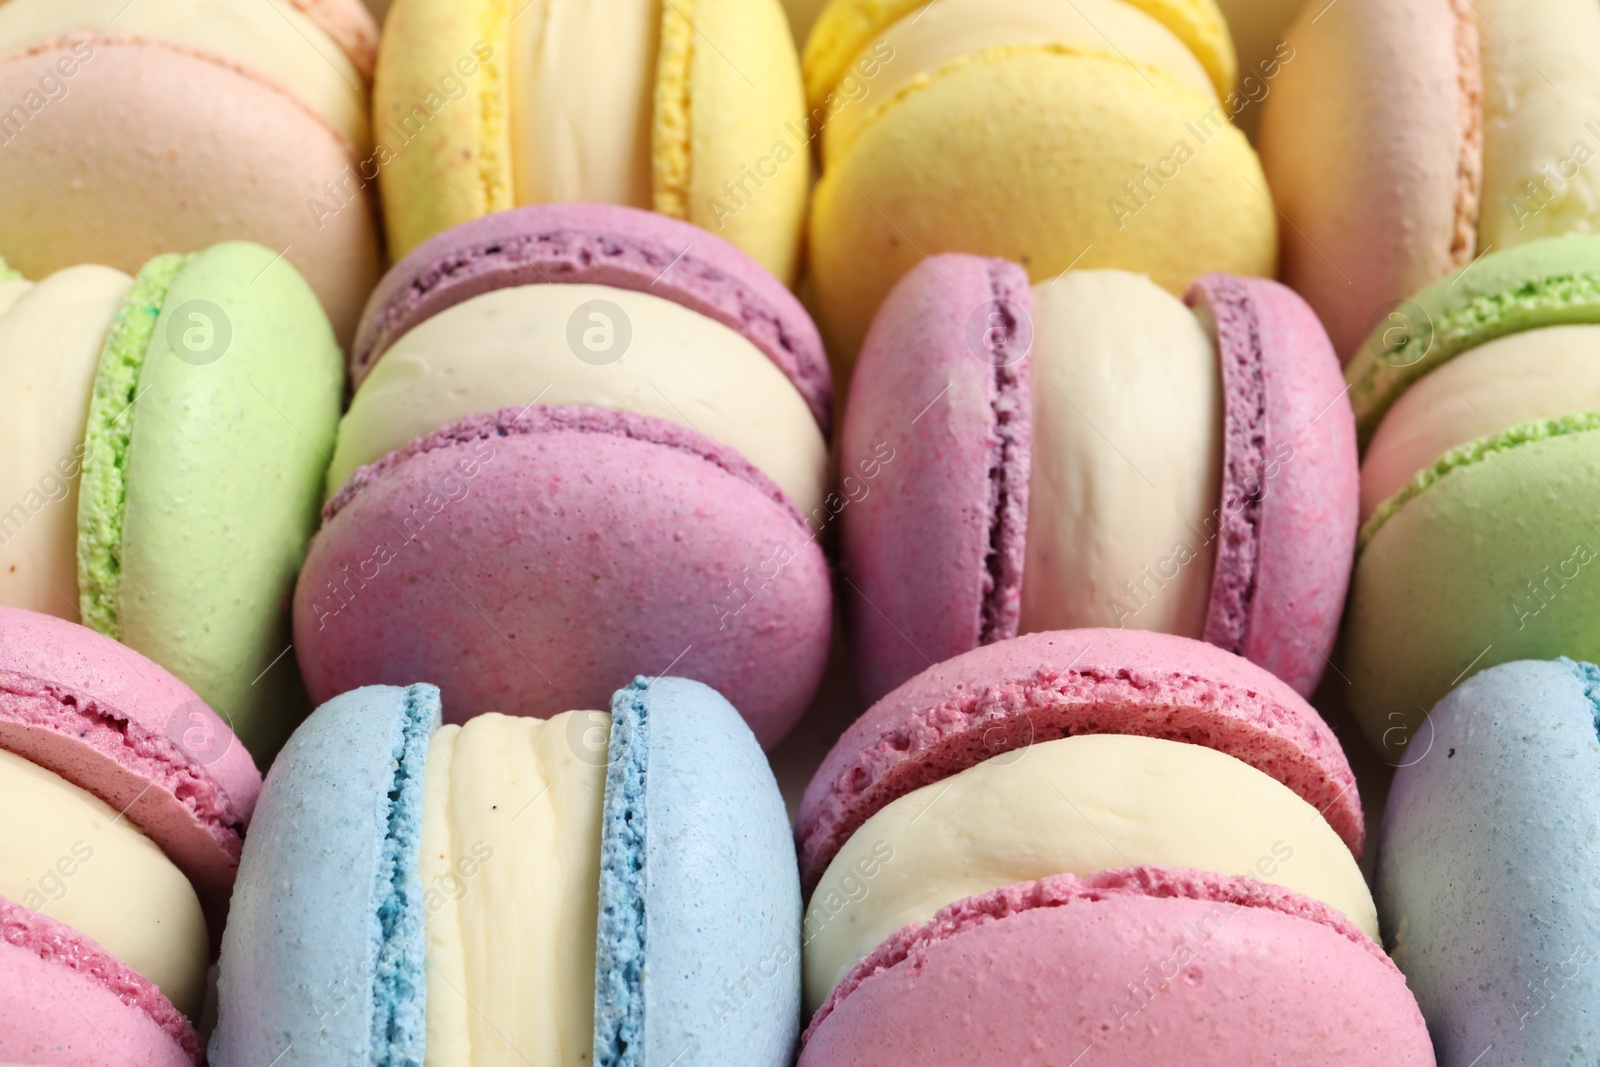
698	946
1489	868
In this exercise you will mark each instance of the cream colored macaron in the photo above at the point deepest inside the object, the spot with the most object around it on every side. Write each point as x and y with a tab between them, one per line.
1408	137
166	125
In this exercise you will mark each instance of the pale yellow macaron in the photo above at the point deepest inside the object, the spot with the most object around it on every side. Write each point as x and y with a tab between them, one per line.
1092	134
693	108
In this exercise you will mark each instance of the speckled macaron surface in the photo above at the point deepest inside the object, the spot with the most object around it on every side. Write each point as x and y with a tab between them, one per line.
1487	875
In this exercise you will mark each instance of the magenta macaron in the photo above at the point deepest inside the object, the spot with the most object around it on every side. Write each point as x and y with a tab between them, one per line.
587	443
1115	841
105	732
1038	434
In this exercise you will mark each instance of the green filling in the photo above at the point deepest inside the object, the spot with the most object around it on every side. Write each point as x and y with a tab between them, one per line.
6	273
1423	346
1474	452
103	491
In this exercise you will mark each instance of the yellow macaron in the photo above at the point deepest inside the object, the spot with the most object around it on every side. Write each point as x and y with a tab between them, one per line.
693	108
1091	134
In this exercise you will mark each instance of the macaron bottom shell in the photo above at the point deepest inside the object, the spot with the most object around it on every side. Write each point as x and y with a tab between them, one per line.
1481	560
1130	967
533	560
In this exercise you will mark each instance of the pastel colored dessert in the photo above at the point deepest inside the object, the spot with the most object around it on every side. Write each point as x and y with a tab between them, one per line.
167	125
697	112
1091	452
1478	410
603	889
129	799
1394	182
1025	817
166	437
588	441
1053	135
1497	947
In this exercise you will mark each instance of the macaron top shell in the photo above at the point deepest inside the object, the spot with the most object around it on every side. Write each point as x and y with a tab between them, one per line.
1286	526
1045	686
1486	873
946	370
113	723
599	244
1547	283
845	27
691	804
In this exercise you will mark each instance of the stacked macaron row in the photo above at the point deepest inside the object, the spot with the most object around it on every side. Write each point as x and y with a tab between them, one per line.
166	438
169	125
126	799
1135	845
587	441
592	889
1408	137
1092	134
696	111
1093	451
1487	873
1478	409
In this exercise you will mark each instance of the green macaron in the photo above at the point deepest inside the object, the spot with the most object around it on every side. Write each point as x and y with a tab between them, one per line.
214	410
1491	551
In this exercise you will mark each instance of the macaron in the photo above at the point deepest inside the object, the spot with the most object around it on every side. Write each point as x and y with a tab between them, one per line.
1090	451
594	888
1257	28
1486	871
130	798
588	441
1046	818
696	112
165	126
1393	180
166	437
1477	407
1094	134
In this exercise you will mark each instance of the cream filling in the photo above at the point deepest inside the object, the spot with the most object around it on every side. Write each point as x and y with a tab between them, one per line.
272	36
934	35
594	345
1126	469
582	100
1077	805
1541	119
1532	375
68	854
50	342
510	868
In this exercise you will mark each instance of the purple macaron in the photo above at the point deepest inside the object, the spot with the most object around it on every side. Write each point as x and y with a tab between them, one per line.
533	557
934	552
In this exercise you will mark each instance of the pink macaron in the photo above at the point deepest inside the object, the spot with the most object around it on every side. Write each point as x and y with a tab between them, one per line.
1128	967
1089	452
1093	840
587	443
126	771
